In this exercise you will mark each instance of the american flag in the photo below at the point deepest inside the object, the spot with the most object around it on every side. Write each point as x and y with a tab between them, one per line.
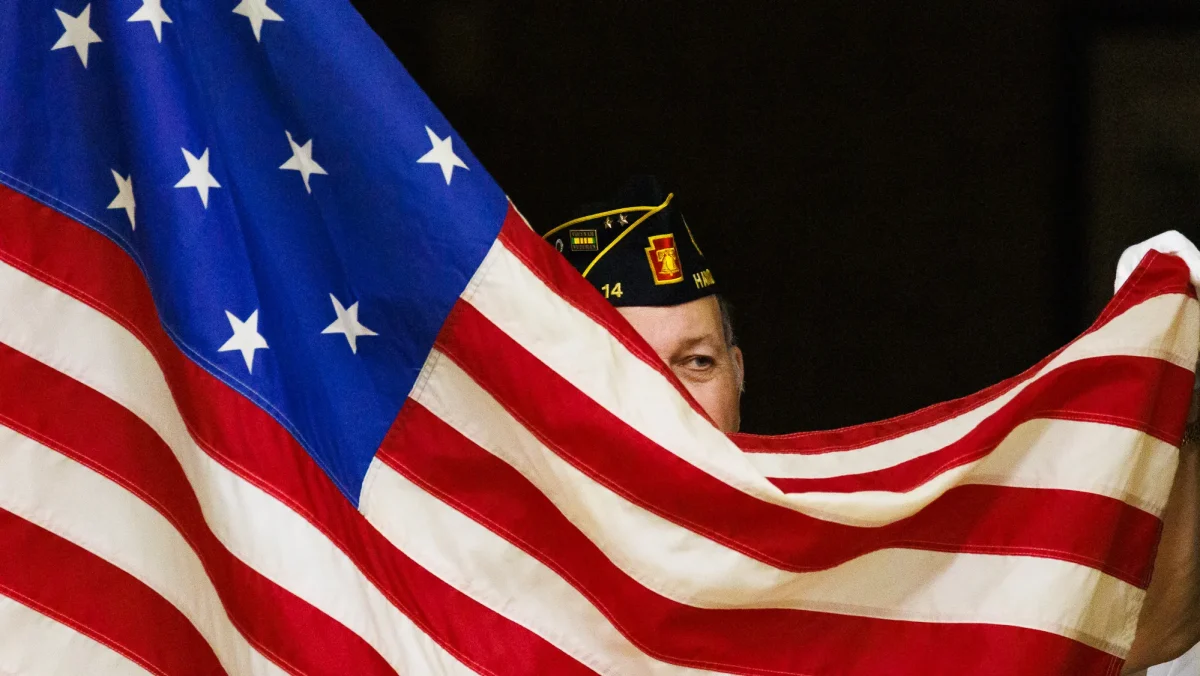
291	387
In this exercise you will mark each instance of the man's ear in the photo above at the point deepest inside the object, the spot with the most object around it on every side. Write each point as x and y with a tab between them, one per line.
741	368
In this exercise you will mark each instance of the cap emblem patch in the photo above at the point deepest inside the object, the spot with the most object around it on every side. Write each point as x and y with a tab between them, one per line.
584	240
664	259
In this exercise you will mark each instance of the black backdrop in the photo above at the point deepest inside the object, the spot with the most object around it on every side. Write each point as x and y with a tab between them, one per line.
888	191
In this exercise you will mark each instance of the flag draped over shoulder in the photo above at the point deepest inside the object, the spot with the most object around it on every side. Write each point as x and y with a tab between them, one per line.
290	387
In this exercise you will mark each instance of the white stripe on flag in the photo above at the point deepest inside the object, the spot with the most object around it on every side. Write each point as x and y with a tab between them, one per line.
1124	335
89	510
912	585
32	644
500	576
1117	462
266	534
510	296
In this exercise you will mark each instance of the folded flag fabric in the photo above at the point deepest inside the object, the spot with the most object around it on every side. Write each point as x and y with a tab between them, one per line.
291	387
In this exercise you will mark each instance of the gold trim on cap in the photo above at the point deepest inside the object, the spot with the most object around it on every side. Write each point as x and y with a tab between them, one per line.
690	235
576	221
626	231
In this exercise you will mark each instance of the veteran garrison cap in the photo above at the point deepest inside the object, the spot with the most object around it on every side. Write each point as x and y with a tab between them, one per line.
636	249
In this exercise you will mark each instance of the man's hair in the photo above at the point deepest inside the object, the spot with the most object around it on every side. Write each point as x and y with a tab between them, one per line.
726	309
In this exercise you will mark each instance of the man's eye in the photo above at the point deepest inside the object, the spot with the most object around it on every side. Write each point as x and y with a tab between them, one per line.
700	362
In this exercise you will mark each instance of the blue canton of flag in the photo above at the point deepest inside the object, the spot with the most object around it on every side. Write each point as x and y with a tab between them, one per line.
304	237
289	387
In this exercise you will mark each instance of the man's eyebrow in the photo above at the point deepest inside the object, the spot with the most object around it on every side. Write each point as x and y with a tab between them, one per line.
693	341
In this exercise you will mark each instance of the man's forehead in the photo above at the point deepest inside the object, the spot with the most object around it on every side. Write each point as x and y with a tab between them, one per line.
677	327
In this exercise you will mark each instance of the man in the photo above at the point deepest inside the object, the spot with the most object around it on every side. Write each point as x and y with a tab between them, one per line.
638	251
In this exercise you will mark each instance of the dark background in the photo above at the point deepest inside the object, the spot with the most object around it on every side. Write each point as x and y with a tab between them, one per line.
899	198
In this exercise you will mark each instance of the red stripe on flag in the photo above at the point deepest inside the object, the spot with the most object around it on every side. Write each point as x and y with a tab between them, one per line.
1157	275
73	586
746	641
1141	393
669	486
245	439
112	441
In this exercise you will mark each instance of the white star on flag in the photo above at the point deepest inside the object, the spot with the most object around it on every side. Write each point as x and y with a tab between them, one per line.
347	323
442	153
152	11
124	199
79	33
258	12
302	161
245	339
198	176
